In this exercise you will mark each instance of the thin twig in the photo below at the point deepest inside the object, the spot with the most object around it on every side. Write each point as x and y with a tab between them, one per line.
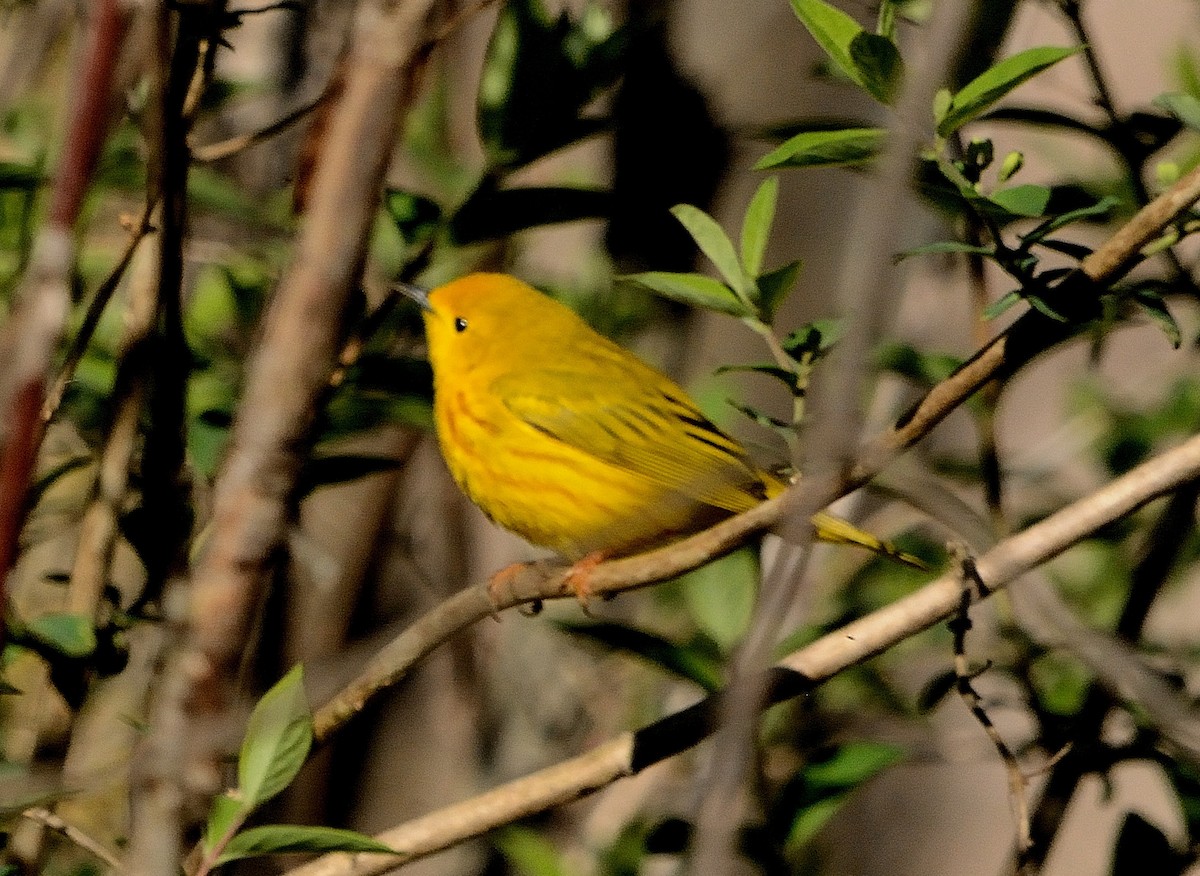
54	822
797	673
1018	783
225	148
95	310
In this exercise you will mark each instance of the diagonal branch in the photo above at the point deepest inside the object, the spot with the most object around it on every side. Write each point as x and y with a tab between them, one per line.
797	673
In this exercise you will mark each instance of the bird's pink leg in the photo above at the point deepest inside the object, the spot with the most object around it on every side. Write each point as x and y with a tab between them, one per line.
578	577
500	586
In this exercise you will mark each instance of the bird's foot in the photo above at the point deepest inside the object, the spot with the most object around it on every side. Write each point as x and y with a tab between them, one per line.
578	578
500	586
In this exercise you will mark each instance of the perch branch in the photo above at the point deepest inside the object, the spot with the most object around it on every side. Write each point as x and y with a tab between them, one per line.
795	674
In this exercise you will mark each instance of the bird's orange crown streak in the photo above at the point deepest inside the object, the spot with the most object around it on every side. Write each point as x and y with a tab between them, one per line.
571	441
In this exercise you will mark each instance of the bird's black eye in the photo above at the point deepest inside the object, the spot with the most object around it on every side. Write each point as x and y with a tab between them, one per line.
460	324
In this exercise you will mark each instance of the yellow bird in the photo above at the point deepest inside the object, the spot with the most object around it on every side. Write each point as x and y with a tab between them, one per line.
572	442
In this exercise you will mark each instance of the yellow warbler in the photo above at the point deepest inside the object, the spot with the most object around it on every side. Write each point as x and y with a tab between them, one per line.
571	441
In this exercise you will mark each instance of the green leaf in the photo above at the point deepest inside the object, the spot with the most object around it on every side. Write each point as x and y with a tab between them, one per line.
271	839
687	661
225	815
694	289
997	81
788	378
925	369
1002	304
944	246
763	419
1023	200
278	737
1185	107
414	216
494	213
879	65
529	853
720	595
1153	306
846	146
814	340
860	55
539	73
1101	208
775	286
715	244
73	635
851	765
756	226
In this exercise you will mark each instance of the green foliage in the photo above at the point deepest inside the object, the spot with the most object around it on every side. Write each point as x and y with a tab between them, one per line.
825	783
539	75
870	60
982	92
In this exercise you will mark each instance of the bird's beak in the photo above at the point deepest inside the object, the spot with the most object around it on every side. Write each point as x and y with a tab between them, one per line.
416	293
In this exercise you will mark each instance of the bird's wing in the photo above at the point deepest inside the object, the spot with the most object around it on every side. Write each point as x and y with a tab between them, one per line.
638	425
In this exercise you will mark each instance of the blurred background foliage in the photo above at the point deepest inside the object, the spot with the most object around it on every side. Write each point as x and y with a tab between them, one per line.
555	142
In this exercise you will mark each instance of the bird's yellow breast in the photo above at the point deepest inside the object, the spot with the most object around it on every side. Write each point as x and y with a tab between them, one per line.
550	493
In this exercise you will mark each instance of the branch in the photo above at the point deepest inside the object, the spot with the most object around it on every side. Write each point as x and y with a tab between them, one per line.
797	673
284	380
1027	337
46	818
35	325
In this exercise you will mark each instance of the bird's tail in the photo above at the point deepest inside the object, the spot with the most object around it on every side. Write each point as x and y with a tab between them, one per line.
838	531
835	530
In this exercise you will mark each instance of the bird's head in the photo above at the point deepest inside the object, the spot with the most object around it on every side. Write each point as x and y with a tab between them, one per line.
486	319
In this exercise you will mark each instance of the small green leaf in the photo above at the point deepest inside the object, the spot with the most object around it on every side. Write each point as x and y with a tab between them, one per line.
879	65
1101	208
1185	107
852	764
774	287
870	60
269	839
756	226
832	29
226	813
72	635
941	105
278	737
814	340
715	244
1154	307
528	853
998	80
1012	163
1038	303
414	216
846	146
1002	304
720	595
788	378
694	289
1023	200
763	419
944	246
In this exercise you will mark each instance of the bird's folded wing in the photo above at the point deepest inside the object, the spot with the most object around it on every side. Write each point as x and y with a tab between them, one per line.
638	426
